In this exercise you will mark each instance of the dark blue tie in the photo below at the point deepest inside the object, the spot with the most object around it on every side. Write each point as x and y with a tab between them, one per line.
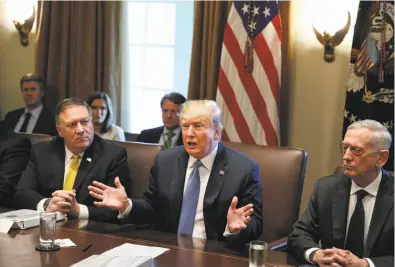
189	202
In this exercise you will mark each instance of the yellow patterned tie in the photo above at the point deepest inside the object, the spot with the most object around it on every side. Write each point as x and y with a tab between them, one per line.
71	173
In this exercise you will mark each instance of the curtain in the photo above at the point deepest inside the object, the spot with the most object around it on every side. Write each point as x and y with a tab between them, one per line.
208	33
79	49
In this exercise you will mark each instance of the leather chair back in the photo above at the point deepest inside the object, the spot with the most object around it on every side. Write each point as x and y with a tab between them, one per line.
140	160
36	138
282	172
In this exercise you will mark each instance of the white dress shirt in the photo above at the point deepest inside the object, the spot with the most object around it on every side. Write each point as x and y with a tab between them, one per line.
199	229
163	136
368	206
115	133
33	119
84	212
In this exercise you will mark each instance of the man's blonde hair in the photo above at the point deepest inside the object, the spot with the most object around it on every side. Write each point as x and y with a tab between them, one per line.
209	108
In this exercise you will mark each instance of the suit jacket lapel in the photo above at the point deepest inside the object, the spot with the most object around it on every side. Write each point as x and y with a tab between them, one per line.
214	186
58	163
87	162
157	134
382	207
340	201
177	188
40	120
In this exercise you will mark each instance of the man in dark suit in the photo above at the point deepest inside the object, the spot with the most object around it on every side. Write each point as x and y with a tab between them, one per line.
352	215
59	171
169	134
202	189
14	155
34	118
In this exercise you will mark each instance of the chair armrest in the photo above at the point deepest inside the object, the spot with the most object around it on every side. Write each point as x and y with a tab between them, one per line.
279	245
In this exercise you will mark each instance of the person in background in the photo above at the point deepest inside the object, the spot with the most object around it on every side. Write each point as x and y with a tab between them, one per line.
14	155
349	221
169	134
103	117
201	189
59	171
34	118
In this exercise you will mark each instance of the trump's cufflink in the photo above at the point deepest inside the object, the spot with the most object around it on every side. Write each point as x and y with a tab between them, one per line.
88	159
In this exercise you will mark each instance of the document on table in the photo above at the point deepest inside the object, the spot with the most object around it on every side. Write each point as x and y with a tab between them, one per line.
126	255
114	261
135	250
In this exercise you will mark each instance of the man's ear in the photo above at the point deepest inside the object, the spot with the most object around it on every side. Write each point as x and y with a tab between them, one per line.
217	134
42	93
58	130
383	157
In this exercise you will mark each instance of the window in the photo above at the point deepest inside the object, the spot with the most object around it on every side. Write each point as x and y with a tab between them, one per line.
159	53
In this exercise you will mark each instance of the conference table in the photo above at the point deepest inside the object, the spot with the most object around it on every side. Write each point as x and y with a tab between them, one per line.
17	247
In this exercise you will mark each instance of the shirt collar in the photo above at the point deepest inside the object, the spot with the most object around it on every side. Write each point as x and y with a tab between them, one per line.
372	188
175	131
208	161
69	154
35	112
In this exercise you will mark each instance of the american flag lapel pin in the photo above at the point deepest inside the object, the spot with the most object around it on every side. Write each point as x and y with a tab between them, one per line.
88	159
221	172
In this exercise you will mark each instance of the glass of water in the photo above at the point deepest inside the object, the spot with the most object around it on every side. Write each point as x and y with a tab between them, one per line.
47	229
258	253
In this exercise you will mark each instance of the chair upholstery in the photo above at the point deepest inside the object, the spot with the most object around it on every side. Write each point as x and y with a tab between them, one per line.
140	160
36	138
282	172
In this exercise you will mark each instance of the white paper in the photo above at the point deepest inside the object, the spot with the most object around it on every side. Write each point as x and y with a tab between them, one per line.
65	243
135	250
5	225
114	261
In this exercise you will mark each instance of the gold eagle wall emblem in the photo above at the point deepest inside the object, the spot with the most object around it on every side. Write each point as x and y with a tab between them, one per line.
331	41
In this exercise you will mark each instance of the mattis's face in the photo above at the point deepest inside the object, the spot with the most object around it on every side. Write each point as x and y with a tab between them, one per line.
360	159
32	93
199	137
99	111
76	128
170	113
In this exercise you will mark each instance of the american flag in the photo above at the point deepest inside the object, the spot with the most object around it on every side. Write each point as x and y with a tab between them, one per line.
249	100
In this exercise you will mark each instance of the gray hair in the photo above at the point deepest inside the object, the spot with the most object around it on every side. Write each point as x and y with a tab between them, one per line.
66	103
209	108
381	137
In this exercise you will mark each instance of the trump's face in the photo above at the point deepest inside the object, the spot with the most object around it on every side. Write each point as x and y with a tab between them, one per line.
199	136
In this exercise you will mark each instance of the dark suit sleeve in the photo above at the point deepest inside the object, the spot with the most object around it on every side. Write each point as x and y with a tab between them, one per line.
143	137
27	193
118	168
12	163
305	234
250	193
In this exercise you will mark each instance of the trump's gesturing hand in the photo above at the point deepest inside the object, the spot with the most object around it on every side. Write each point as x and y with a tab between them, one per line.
111	197
238	218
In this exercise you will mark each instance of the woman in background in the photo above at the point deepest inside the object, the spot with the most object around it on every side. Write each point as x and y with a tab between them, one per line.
102	115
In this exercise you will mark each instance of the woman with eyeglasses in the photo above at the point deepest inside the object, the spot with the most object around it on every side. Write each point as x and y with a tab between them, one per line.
102	116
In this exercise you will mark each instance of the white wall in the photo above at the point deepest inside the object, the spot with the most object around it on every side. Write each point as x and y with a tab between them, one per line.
318	88
15	61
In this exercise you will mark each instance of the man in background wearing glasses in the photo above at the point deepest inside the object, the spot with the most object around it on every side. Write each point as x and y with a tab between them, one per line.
352	215
59	171
169	134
